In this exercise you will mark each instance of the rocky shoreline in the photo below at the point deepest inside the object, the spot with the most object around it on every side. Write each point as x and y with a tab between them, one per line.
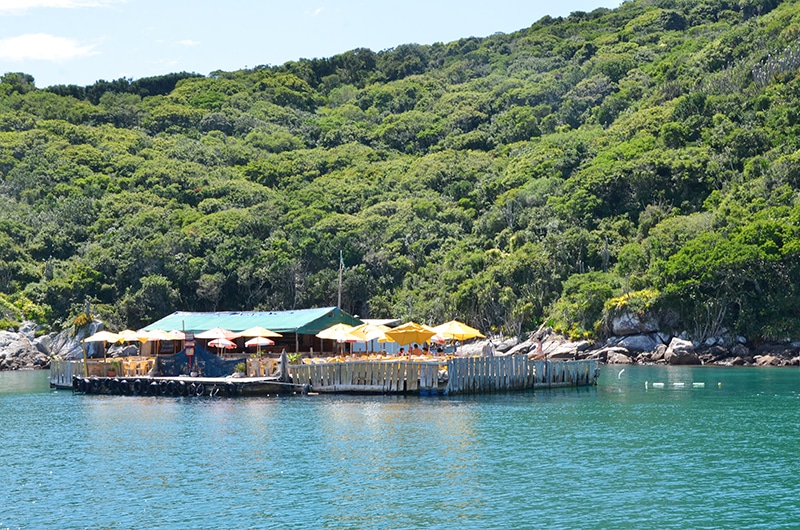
677	352
22	350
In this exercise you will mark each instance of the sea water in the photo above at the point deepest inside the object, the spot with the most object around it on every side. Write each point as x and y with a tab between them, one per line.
708	448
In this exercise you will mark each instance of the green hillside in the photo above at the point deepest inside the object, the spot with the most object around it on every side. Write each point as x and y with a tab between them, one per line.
641	158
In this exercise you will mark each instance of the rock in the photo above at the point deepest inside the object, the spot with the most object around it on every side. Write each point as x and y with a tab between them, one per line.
658	353
520	349
582	346
66	346
639	343
740	350
618	357
714	354
681	352
16	351
506	344
767	360
629	324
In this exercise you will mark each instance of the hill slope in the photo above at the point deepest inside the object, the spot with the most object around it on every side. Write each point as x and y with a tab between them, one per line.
642	158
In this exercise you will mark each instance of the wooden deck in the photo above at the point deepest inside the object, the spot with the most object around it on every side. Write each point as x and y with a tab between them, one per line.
469	375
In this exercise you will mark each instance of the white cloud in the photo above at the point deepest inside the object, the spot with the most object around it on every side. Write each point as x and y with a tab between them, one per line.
17	6
188	42
42	47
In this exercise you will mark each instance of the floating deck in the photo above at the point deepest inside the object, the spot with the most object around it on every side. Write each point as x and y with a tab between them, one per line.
469	375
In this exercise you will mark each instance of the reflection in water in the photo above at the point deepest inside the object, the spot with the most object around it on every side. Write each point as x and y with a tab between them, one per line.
614	456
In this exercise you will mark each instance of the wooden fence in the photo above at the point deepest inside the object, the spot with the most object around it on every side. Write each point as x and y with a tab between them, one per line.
372	377
472	375
463	375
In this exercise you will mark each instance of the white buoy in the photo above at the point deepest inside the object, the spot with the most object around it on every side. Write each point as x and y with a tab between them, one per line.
620	373
698	385
645	385
658	385
678	385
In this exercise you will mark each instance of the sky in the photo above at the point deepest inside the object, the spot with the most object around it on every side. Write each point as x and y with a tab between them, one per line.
62	42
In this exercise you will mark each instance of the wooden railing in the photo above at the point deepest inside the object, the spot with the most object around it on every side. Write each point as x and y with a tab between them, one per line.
364	376
463	375
472	375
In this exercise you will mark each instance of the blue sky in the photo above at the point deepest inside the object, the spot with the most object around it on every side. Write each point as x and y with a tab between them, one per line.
81	41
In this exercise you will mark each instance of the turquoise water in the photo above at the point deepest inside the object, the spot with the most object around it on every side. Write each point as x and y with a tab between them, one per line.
615	456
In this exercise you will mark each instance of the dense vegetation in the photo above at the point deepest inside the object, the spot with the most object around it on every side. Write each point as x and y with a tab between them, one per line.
643	158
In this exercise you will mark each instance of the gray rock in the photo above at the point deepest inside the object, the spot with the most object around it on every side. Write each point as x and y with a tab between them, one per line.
658	353
619	358
681	352
740	350
506	344
639	343
629	324
16	351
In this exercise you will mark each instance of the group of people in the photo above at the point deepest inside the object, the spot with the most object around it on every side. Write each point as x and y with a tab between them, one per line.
415	349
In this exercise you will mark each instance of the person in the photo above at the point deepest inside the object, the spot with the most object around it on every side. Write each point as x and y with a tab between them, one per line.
488	349
538	351
415	349
402	352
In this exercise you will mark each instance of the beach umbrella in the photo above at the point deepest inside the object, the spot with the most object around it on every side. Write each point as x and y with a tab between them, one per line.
339	333
128	335
455	330
410	332
258	342
179	335
217	333
103	336
369	332
155	335
258	331
222	343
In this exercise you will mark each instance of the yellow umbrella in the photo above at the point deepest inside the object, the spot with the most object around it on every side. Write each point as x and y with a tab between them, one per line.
103	336
369	332
156	335
339	333
456	330
258	331
128	335
410	332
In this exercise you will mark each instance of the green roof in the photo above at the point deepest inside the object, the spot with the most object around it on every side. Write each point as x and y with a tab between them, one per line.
302	321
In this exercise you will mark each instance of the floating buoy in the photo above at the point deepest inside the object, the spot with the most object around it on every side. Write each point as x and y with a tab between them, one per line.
658	385
645	385
619	375
678	385
719	385
698	385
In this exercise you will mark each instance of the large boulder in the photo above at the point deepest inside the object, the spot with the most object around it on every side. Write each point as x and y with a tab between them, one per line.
67	346
630	324
639	343
681	352
17	352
